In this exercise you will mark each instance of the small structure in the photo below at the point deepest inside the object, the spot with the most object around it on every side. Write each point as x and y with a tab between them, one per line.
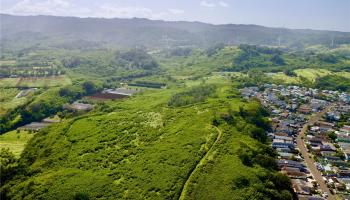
34	126
301	187
114	94
76	106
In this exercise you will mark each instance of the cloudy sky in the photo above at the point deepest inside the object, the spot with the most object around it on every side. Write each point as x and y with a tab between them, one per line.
314	14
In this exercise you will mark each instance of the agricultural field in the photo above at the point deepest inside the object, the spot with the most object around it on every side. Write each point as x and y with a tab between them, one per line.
7	62
312	74
8	99
52	81
280	76
39	82
15	141
9	82
308	73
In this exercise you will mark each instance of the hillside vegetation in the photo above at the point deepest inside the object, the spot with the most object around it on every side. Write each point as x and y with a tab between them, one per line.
143	149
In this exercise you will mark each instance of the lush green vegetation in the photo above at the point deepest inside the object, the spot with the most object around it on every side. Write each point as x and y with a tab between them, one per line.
193	139
333	82
193	95
136	150
15	141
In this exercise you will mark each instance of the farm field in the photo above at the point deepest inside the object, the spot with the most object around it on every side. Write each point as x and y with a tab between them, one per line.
9	82
308	73
286	79
8	100
15	141
7	62
312	74
52	81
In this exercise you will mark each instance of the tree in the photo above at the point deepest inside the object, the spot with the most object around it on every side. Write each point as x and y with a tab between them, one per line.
277	60
281	181
81	196
89	87
8	164
259	134
332	136
290	72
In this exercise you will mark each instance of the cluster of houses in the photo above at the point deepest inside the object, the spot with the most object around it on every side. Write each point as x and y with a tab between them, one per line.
328	142
290	108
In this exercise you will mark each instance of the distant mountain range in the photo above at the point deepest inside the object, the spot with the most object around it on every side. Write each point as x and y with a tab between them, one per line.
74	32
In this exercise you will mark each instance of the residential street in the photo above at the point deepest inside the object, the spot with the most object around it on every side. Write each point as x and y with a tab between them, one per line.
309	161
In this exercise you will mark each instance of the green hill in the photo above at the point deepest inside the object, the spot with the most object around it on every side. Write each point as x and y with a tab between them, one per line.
144	149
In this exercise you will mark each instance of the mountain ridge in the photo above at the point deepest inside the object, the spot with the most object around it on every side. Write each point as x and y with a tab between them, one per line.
128	33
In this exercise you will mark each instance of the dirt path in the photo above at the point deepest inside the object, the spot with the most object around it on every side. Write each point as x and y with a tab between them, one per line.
200	163
310	163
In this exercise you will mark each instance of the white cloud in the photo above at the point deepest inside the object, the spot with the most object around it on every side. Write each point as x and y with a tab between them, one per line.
223	4
47	7
176	11
212	5
207	4
67	8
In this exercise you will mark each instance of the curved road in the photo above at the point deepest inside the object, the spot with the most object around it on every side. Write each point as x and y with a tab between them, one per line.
310	163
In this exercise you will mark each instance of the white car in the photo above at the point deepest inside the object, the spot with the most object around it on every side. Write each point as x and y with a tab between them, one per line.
325	194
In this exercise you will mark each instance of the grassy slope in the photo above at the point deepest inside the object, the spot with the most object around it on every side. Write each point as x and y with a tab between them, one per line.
8	100
142	150
15	141
309	73
199	64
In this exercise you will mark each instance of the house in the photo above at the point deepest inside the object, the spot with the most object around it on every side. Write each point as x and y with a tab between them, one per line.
314	141
123	92
54	119
301	186
278	143
328	147
344	173
345	129
294	174
345	148
285	155
317	104
325	126
286	138
290	163
333	116
287	150
342	137
305	109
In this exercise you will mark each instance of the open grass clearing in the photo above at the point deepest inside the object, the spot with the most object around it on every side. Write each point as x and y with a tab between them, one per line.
15	141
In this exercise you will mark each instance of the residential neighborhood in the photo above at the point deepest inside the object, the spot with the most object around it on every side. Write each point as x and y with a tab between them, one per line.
310	132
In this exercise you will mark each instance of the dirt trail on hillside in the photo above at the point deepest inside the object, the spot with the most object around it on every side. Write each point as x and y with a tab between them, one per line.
200	163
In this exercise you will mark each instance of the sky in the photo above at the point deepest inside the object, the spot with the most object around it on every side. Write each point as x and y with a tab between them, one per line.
310	14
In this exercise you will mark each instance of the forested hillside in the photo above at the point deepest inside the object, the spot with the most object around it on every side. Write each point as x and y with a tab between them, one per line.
87	33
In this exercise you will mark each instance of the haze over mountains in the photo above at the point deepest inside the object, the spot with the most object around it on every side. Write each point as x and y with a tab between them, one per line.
73	32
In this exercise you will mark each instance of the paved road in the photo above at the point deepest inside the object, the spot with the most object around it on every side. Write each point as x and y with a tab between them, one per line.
310	163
